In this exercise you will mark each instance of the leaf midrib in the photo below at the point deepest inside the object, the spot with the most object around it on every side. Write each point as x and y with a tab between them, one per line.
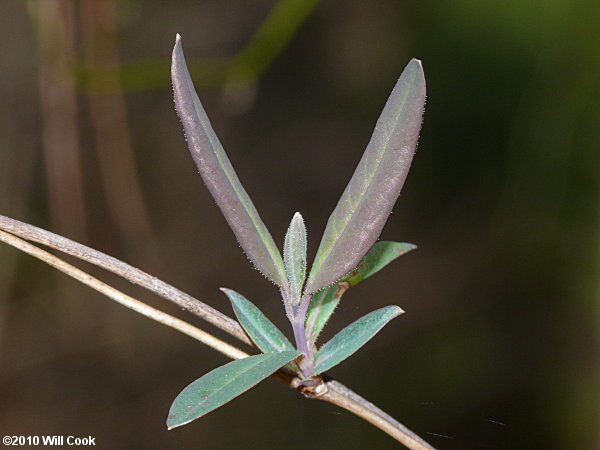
266	336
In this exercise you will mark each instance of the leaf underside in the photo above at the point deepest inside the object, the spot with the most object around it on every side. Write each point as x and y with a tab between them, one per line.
223	384
220	177
367	201
321	308
353	337
259	328
325	301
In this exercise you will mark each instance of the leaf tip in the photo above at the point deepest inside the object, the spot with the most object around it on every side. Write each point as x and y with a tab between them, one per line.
415	65
231	295
396	311
413	61
172	423
177	46
407	248
177	59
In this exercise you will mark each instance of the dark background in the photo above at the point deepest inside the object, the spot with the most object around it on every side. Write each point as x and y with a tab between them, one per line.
498	348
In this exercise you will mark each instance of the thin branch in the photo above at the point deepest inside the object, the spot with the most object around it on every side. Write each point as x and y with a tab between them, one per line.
122	298
340	395
130	273
330	391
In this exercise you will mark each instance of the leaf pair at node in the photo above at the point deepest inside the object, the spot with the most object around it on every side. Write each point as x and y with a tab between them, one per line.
227	382
347	254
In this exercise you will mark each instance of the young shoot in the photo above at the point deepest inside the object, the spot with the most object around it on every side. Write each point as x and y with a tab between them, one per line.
347	254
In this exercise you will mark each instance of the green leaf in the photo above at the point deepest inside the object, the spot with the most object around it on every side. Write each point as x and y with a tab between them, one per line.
353	337
380	255
367	201
224	384
325	301
294	256
321	308
261	330
220	177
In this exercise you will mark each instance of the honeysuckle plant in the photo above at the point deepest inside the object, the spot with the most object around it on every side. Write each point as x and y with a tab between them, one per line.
348	252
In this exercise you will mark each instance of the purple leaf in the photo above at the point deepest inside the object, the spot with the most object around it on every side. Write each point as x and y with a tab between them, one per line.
219	176
365	205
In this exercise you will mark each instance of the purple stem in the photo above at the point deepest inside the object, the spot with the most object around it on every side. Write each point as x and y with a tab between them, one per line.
306	364
300	335
287	304
302	309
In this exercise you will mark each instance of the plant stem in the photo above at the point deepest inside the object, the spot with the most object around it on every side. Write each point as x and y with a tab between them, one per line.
122	298
306	364
331	391
130	273
340	395
298	325
299	337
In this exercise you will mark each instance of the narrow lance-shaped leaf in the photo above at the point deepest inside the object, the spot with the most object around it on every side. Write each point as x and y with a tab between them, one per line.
380	255
325	301
321	308
353	337
219	176
294	256
224	384
367	201
261	330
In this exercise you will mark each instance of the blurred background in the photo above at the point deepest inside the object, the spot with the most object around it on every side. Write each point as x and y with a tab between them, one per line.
499	346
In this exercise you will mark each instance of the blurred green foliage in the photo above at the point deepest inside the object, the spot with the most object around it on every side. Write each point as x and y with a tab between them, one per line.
242	69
